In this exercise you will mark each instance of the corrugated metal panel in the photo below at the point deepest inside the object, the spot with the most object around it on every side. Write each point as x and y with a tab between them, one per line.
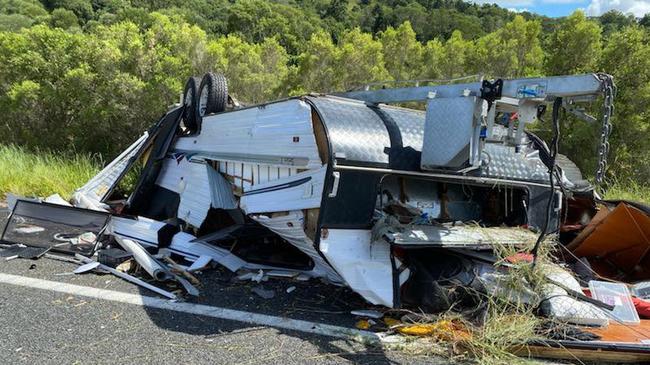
290	227
279	134
298	191
221	190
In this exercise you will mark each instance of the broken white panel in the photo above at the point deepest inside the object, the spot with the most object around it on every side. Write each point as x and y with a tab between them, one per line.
468	236
279	134
190	180
97	188
200	263
290	227
174	173
301	191
57	199
222	196
364	266
145	231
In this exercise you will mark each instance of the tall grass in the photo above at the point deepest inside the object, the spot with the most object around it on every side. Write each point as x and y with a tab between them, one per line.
628	190
44	173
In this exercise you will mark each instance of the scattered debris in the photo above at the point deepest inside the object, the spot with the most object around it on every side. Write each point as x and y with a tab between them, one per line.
127	266
368	313
29	229
491	236
156	269
264	293
201	263
128	278
362	324
618	296
86	267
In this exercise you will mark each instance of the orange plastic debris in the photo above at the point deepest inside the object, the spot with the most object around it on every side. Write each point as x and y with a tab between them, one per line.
362	324
617	241
444	330
390	322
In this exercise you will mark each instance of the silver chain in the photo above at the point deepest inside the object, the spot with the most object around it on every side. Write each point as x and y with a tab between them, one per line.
609	91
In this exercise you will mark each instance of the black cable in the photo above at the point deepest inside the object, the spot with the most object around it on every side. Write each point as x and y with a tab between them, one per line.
557	105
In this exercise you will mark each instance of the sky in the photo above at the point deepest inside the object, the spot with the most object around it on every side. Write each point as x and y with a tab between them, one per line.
555	8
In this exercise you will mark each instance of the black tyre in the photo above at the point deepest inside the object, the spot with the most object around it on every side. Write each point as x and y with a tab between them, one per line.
190	99
213	95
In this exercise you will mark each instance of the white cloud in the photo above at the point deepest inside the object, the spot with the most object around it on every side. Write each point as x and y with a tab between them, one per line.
637	7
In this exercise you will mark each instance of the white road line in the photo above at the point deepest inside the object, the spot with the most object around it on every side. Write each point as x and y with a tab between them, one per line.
198	309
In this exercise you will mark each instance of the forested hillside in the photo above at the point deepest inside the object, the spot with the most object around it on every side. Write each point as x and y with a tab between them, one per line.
91	75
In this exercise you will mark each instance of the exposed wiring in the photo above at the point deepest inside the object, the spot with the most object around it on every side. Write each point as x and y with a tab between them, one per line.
555	142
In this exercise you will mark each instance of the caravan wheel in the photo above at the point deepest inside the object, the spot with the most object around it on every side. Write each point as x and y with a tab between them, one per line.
190	96
213	94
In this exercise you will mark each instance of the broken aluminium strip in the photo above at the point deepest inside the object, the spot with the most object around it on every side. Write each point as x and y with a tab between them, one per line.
128	277
93	193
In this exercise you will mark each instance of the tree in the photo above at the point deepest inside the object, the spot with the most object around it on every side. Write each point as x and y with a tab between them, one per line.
416	15
18	14
62	18
361	60
432	58
83	9
614	20
574	47
443	22
255	20
456	52
402	53
255	72
317	68
627	57
512	51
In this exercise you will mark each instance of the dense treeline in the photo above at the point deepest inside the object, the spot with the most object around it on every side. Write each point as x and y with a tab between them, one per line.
91	75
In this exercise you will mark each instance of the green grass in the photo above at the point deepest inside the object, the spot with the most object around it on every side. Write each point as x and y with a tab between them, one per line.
628	190
43	173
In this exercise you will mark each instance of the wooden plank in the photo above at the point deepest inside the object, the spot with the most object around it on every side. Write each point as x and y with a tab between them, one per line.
617	332
596	355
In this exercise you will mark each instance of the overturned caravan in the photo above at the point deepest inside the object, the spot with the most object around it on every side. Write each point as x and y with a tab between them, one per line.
349	188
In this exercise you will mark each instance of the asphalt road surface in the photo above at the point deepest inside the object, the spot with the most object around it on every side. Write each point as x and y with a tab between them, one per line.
48	316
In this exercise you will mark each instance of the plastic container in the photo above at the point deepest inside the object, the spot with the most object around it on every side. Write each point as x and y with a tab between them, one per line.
618	295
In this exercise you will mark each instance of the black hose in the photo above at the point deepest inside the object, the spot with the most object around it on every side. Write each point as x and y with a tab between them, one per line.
557	105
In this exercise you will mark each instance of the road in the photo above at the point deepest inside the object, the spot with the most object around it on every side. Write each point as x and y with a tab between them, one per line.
50	317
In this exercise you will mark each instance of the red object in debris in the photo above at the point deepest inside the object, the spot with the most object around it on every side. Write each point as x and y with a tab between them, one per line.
520	257
642	307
